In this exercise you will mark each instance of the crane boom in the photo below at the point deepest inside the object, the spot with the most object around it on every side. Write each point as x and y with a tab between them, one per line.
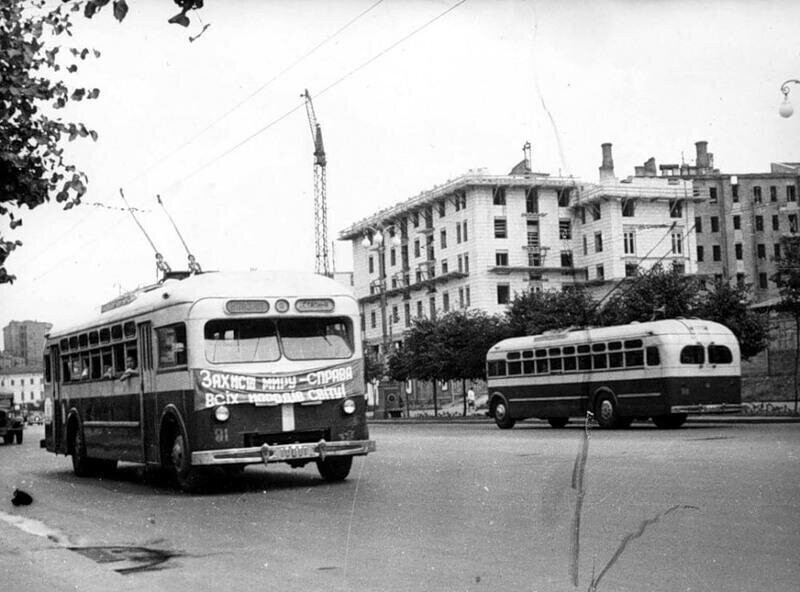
322	264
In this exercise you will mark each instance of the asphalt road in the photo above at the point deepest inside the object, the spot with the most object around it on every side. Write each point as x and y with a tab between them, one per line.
438	507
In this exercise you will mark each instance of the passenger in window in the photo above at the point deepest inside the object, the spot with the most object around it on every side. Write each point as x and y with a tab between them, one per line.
130	368
85	371
108	372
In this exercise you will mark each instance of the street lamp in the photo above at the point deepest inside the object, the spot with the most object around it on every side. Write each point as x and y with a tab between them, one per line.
373	238
786	108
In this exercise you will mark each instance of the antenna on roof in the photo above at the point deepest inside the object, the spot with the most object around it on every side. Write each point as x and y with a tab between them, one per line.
194	266
161	263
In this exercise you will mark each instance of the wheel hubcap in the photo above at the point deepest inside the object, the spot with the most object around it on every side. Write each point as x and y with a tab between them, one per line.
500	411
177	452
606	410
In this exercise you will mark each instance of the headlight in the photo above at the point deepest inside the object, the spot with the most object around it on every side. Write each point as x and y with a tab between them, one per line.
282	305
222	413
349	406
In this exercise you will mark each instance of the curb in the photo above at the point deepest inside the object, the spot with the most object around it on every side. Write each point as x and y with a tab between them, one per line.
715	419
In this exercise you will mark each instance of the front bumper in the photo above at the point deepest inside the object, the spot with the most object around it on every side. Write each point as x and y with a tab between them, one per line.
711	408
283	452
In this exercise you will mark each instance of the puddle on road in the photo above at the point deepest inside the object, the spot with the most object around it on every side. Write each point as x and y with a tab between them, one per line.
125	559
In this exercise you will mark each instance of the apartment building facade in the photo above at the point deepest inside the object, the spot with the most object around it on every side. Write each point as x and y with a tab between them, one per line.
25	339
25	382
475	241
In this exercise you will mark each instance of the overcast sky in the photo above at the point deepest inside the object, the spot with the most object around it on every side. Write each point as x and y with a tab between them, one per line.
465	91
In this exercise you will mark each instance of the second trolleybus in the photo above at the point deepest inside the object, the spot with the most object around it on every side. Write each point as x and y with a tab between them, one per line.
664	370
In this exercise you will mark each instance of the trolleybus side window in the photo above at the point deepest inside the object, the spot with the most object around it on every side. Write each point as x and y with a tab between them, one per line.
318	338
241	340
653	358
584	358
599	360
570	363
693	354
171	346
719	354
496	368
615	355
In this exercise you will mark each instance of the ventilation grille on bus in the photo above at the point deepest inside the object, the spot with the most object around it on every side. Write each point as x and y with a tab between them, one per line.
286	438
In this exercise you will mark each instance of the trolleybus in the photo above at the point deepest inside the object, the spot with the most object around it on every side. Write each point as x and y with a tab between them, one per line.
213	369
662	370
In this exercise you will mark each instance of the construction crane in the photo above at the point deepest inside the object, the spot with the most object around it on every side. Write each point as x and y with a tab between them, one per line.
323	264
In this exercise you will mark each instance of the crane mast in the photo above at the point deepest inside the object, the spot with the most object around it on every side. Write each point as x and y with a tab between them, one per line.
323	264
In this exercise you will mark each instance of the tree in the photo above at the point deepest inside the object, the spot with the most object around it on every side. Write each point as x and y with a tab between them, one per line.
729	305
533	312
787	278
33	169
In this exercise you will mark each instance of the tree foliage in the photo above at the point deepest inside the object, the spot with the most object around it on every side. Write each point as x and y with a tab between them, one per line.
35	60
535	312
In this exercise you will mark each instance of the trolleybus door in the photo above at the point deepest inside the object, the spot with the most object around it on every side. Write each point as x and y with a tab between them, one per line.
57	425
147	394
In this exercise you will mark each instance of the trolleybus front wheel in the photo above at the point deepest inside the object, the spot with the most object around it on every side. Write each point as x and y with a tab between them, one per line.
670	422
606	412
335	468
186	476
501	416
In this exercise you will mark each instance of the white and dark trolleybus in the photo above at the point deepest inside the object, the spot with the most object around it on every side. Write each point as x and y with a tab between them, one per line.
213	369
664	370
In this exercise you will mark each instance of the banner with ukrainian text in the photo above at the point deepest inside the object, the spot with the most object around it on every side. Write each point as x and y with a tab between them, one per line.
214	387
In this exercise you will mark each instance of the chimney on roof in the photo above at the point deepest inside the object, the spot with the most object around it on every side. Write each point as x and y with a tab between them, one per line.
607	168
702	154
650	167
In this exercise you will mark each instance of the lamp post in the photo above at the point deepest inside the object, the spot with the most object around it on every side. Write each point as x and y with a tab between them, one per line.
374	238
786	108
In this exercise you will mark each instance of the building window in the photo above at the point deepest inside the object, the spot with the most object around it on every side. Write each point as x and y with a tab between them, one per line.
407	314
740	280
759	223
698	224
793	223
563	197
534	259
533	234
631	269
461	297
500	228
737	223
712	195
679	267
443	238
775	223
675	208
773	193
415	219
716	253
442	208
598	242
601	274
419	308
395	315
776	250
564	230
532	201
416	248
501	258
458	233
466	295
699	253
585	245
761	251
466	264
595	212
460	265
503	293
464	231
714	224
737	249
762	281
629	242
566	258
446	301
628	208
677	243
582	215
372	320
432	306
756	193
371	264
499	196
735	193
791	193
392	257
444	267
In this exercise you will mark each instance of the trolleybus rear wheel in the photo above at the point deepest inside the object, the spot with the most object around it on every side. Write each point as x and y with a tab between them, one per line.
606	412
335	468
186	476
558	422
82	465
670	422
501	416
